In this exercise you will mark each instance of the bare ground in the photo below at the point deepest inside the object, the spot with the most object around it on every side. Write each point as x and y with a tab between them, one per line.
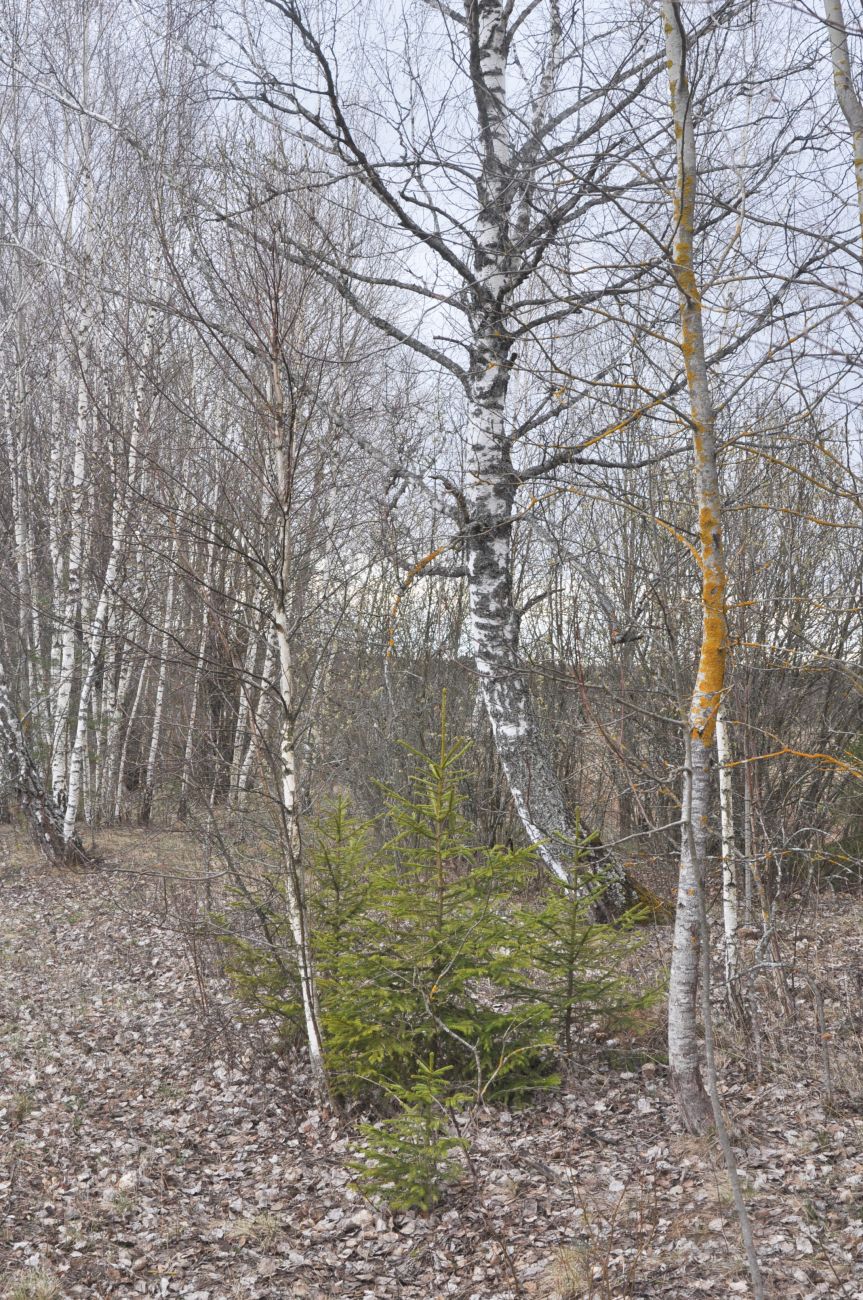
151	1146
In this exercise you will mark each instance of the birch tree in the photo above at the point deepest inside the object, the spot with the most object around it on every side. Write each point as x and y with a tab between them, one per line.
683	1048
847	95
43	815
82	340
491	217
95	643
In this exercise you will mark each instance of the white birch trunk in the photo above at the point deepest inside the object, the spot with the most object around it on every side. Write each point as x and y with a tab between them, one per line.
19	499
683	1046
729	848
72	602
93	651
846	93
71	608
295	891
119	531
260	719
55	483
294	877
748	841
536	791
244	733
122	693
36	802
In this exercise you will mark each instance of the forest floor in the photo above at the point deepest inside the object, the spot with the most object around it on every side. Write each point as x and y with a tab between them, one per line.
151	1146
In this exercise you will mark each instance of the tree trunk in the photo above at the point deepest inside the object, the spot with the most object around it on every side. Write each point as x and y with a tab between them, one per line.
119	530
292	848
72	602
71	608
490	490
729	848
159	703
683	1052
130	722
260	718
36	802
846	94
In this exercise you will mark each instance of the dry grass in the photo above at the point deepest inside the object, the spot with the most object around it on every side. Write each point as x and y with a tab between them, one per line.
32	1284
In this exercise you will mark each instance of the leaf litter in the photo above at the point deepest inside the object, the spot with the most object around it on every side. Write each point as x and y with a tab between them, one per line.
152	1145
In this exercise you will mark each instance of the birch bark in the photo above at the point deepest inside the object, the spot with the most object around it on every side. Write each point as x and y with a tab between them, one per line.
846	93
683	1049
261	718
119	531
72	602
122	695
294	881
36	802
244	731
71	605
491	484
730	910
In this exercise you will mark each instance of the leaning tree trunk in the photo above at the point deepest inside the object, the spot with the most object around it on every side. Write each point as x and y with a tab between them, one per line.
491	484
683	1048
36	802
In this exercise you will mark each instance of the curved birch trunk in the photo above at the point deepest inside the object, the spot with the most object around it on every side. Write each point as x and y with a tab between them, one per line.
491	483
846	94
683	1048
186	774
